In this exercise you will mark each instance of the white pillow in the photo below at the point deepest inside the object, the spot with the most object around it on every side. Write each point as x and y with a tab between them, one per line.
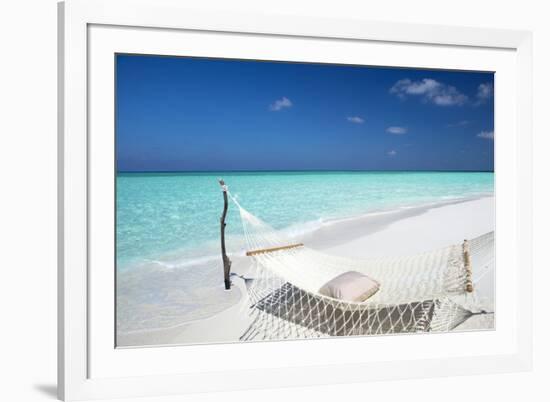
350	286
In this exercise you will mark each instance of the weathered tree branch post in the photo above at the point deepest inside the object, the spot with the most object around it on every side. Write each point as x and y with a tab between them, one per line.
225	258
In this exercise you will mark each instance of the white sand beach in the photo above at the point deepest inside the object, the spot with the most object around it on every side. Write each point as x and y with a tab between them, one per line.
392	233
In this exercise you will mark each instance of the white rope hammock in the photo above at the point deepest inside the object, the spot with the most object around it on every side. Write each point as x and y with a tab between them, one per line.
417	293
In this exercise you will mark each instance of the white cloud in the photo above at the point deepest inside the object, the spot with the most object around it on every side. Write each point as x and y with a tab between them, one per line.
355	119
484	93
280	104
429	90
396	130
393	152
487	135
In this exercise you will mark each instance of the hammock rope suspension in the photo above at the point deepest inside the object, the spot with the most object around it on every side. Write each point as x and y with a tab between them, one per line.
418	293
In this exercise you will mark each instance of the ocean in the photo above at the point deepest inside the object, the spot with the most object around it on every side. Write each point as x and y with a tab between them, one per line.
173	218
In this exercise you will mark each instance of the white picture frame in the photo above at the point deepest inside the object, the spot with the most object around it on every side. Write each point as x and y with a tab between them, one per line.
89	365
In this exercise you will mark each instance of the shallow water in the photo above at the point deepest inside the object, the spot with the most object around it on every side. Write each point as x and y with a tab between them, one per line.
173	218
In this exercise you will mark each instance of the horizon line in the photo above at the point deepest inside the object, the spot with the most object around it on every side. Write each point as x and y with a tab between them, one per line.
307	170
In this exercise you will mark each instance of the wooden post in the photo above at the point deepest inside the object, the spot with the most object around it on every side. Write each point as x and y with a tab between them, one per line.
468	266
225	258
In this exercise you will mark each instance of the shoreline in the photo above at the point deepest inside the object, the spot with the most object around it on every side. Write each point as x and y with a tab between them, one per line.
313	231
355	227
380	233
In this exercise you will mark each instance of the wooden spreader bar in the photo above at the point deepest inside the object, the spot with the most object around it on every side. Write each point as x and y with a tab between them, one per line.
269	250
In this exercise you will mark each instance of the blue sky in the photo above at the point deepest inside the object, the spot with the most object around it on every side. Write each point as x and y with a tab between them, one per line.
190	114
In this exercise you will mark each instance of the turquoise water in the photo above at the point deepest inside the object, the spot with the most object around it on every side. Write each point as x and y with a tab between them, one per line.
173	218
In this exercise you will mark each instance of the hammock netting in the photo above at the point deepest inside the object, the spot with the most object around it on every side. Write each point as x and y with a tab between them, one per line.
418	293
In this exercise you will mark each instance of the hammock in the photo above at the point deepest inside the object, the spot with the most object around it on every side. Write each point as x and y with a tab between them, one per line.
419	293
